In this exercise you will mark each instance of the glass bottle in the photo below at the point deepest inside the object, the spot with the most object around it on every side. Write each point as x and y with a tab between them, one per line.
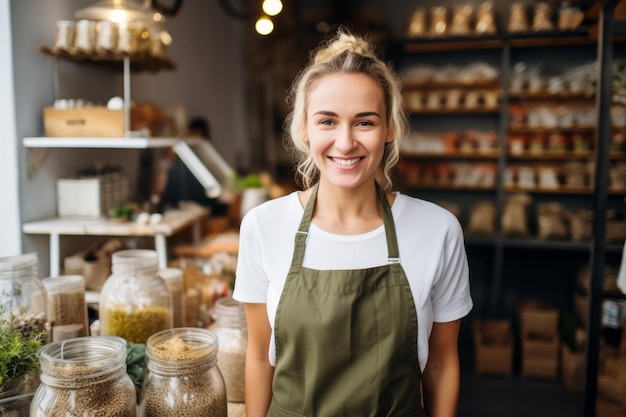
84	376
22	295
135	302
231	329
182	377
67	309
173	278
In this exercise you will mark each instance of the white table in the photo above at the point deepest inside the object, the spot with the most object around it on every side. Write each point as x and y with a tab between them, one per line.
173	222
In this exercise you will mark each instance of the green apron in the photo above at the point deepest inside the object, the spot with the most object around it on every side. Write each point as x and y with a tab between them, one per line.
346	340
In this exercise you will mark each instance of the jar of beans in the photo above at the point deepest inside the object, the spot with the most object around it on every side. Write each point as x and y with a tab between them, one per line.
84	376
22	295
182	377
232	333
135	302
67	309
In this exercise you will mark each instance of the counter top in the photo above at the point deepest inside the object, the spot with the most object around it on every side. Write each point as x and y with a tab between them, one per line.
236	410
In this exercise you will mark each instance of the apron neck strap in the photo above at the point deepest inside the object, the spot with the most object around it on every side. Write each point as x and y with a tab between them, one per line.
303	231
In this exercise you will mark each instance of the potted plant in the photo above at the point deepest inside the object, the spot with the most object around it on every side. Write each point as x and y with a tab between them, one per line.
17	358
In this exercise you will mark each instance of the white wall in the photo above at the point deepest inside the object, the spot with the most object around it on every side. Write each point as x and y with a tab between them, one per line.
10	242
207	81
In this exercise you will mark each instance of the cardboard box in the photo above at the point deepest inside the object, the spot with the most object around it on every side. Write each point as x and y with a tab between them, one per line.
538	319
493	346
534	346
94	263
83	122
572	369
540	367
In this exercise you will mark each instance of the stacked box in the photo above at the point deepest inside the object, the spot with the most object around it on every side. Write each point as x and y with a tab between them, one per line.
90	197
493	347
540	341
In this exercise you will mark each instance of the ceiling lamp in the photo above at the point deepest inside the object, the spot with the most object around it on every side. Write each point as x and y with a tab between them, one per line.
272	7
115	11
264	26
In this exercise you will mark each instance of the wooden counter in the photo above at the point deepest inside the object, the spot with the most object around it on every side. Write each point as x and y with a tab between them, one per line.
236	410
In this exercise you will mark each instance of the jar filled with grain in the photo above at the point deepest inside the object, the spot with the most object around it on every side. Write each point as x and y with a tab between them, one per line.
22	295
84	376
182	377
232	333
173	278
135	302
67	309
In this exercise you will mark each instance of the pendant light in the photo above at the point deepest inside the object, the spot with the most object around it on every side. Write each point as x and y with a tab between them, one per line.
115	11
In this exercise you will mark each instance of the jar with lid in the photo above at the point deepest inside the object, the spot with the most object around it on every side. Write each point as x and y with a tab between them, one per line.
173	278
231	329
67	309
182	377
22	295
135	302
84	376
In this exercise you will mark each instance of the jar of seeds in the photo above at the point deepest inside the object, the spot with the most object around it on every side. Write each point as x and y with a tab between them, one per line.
22	295
182	377
84	376
232	333
67	309
135	302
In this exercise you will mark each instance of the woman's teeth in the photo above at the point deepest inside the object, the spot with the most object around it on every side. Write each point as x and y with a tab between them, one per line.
346	162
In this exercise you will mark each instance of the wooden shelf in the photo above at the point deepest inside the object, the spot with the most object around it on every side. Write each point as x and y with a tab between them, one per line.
447	187
562	190
547	96
457	111
141	61
489	155
451	85
532	130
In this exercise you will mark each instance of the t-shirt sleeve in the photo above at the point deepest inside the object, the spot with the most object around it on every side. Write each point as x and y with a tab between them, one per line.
451	298
251	282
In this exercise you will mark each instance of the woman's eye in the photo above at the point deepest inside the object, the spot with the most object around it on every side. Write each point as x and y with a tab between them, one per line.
326	122
365	123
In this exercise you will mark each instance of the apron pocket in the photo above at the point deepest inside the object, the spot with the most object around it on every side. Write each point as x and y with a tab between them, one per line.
277	411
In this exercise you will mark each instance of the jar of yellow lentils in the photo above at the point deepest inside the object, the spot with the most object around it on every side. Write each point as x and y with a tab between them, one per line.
135	302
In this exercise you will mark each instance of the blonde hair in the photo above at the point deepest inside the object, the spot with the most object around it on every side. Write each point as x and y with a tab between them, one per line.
345	53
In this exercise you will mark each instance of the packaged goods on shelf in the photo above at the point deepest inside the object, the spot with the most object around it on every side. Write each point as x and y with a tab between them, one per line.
493	345
514	216
540	340
551	221
90	197
482	219
93	263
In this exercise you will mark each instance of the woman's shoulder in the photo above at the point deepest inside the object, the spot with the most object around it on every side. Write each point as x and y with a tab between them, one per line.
407	205
273	210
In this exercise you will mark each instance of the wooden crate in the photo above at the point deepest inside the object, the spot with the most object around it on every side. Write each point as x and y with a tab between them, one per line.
83	122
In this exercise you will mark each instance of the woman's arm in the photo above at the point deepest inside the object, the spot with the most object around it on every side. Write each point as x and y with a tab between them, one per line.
441	378
259	372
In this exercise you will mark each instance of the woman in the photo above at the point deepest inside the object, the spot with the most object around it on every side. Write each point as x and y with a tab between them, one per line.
353	293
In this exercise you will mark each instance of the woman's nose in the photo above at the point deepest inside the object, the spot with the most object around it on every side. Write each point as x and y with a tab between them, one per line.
345	141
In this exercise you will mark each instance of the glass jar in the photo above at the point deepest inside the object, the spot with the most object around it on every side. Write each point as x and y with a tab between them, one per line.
135	302
22	295
173	278
182	377
232	333
84	376
67	309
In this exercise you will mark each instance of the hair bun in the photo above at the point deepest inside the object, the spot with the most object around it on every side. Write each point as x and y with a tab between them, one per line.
344	42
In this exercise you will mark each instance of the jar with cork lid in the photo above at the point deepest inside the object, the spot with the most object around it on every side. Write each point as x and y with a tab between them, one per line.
231	329
84	376
182	377
135	302
173	278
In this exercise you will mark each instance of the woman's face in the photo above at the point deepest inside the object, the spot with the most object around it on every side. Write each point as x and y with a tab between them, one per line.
346	127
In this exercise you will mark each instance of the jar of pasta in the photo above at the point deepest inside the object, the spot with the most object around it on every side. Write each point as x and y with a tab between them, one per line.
182	377
135	302
84	376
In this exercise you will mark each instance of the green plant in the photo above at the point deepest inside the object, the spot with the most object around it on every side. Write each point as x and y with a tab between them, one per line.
18	354
248	181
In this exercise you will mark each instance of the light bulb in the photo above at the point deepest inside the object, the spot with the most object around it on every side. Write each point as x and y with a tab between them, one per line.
264	26
272	7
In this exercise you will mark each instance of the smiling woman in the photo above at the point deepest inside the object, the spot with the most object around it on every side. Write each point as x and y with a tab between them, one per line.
353	293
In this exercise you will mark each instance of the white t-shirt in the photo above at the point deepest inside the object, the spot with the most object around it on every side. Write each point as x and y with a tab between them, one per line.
430	242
